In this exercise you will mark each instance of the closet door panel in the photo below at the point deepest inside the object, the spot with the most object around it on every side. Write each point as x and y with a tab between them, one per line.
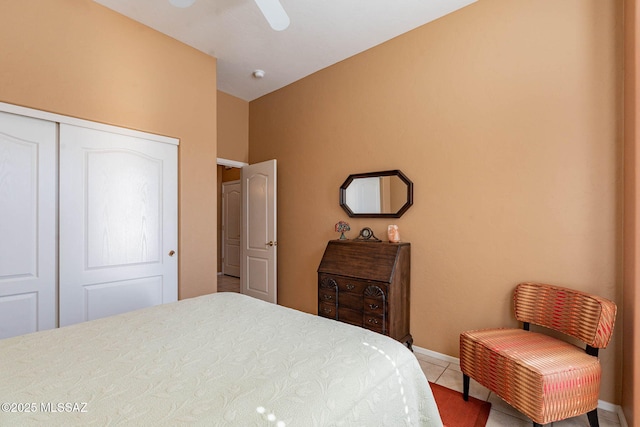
126	295
123	207
27	225
118	223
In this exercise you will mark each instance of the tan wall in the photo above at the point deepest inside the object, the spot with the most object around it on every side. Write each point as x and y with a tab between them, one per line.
505	117
631	309
233	128
77	58
233	144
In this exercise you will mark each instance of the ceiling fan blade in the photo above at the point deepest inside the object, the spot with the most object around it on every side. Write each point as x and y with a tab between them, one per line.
274	13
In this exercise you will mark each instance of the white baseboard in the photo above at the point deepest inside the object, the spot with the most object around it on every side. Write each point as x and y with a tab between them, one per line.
436	355
605	406
623	420
608	406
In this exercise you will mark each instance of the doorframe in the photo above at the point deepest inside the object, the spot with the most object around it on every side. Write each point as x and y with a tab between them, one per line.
59	118
231	163
234	164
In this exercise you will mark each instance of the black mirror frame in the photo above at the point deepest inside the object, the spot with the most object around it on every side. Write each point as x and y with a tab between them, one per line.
396	172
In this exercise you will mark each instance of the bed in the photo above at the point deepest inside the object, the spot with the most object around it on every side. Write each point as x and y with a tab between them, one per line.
220	359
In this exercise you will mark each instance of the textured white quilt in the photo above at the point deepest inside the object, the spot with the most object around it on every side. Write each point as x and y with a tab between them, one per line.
218	360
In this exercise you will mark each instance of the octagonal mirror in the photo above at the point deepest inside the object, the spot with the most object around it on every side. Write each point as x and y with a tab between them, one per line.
386	194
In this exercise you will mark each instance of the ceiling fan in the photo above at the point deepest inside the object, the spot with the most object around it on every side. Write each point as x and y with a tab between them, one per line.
274	13
272	10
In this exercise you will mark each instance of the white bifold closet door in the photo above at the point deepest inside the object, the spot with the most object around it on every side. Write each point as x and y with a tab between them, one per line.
118	223
27	225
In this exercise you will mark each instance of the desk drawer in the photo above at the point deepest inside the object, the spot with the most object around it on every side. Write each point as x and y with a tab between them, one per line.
327	310
374	306
353	317
374	323
351	301
327	296
348	285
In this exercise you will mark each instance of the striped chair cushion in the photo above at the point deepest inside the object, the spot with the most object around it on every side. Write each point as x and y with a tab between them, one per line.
544	378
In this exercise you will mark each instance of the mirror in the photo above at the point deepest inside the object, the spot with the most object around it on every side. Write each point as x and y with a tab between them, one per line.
386	194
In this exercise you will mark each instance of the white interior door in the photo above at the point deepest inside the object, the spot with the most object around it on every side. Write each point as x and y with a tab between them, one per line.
27	225
259	237
118	223
231	202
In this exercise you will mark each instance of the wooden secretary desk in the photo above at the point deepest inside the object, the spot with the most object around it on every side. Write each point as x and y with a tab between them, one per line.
367	284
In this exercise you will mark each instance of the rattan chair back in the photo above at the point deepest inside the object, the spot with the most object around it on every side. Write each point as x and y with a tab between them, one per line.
584	316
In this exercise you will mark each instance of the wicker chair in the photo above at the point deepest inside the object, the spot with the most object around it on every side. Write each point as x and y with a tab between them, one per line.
545	378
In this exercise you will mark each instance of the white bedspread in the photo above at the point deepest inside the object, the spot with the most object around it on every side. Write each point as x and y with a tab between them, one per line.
218	360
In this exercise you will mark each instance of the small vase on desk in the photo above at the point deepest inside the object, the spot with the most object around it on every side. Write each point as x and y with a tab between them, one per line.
393	233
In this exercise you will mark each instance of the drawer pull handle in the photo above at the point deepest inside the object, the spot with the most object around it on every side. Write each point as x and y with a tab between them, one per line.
327	310
327	297
350	286
373	306
374	321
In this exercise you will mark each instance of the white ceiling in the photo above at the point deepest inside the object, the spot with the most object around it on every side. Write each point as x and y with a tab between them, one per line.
321	33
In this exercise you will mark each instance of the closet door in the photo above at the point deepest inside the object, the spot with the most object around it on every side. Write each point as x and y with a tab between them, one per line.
27	225
118	223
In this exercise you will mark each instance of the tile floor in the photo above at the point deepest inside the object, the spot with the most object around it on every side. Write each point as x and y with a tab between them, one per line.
448	374
228	283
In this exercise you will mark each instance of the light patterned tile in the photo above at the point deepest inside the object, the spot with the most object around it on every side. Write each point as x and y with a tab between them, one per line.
500	419
452	379
608	419
455	367
432	360
500	405
228	284
605	418
431	371
581	421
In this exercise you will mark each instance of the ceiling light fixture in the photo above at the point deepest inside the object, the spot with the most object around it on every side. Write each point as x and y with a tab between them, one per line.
182	3
258	74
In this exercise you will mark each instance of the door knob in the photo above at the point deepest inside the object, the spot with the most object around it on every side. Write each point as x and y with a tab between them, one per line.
271	243
172	253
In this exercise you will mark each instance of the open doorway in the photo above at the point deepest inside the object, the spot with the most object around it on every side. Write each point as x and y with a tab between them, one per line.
229	220
229	260
256	227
